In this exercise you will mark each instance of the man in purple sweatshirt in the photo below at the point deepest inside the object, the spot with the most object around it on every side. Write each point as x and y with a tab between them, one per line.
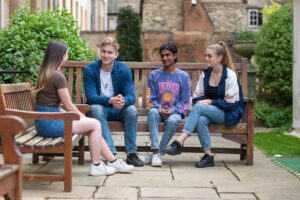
168	98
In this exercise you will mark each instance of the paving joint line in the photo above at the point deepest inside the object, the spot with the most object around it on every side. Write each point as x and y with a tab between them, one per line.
215	188
139	195
172	175
256	197
232	172
94	193
104	182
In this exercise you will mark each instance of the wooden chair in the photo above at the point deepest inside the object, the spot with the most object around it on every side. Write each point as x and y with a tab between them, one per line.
11	171
16	99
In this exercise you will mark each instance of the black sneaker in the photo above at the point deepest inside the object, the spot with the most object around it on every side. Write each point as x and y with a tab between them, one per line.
206	161
133	159
174	148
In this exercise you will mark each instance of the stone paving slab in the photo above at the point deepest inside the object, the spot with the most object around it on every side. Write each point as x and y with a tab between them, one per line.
117	193
55	191
141	179
238	196
202	177
176	179
281	196
163	192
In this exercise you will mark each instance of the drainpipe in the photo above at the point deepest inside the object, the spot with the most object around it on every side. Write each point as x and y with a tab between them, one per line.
2	17
141	9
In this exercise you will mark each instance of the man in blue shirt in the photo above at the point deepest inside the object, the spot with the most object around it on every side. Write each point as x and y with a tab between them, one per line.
109	90
168	98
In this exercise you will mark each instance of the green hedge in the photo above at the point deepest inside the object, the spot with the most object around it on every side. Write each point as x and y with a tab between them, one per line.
273	115
22	45
129	35
273	52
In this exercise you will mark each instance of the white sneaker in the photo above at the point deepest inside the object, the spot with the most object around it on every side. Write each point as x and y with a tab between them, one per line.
146	158
120	166
156	160
101	170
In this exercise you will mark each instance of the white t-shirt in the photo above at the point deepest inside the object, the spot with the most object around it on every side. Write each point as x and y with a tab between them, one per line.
106	84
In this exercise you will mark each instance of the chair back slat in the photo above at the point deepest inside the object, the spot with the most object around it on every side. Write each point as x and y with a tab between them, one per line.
17	96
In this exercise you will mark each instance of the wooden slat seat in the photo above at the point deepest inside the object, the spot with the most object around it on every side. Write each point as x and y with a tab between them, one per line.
16	99
11	170
242	133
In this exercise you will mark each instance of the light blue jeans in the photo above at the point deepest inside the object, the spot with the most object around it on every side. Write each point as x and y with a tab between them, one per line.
49	128
128	115
171	125
200	117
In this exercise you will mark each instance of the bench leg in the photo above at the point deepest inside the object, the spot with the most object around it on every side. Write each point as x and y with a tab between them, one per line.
81	151
35	158
249	159
243	155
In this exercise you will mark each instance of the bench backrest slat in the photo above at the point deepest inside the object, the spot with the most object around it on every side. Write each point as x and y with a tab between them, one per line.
144	69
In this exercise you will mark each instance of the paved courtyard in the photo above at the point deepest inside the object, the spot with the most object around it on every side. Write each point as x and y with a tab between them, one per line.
177	179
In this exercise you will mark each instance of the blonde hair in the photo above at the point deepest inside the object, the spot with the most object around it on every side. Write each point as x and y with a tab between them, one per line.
110	41
221	50
53	57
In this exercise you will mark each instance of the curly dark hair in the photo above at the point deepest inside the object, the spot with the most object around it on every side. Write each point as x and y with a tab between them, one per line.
171	47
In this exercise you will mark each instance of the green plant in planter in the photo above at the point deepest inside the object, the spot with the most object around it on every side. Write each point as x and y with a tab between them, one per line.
245	35
244	43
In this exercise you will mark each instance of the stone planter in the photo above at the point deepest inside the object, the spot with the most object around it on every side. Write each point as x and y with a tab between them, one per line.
244	48
251	81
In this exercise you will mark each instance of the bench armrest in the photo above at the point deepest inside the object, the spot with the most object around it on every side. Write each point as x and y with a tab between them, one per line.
249	100
43	115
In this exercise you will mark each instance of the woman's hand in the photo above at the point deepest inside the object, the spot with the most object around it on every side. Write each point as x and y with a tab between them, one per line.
206	102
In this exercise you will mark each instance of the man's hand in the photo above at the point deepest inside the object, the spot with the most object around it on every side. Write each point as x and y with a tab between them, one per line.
206	102
165	112
118	101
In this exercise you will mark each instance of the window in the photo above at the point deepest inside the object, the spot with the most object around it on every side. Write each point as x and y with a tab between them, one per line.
254	18
112	23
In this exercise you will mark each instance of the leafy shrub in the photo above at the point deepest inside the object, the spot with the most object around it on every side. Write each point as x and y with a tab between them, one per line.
244	35
268	10
22	45
273	53
273	116
129	35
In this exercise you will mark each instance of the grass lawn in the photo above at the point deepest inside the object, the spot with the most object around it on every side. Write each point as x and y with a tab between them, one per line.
276	142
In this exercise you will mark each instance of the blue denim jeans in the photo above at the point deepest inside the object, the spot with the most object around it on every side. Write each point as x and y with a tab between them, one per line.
49	128
200	117
128	115
171	125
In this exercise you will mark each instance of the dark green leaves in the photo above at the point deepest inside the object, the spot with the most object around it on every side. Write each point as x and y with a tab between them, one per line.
129	35
273	53
22	45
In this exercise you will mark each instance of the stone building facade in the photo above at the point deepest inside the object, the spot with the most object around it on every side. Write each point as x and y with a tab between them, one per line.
192	27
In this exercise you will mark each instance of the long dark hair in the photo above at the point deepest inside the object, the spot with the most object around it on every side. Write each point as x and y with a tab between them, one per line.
53	57
171	47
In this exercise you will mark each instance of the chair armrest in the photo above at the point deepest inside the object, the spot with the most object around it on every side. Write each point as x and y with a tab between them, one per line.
68	117
43	115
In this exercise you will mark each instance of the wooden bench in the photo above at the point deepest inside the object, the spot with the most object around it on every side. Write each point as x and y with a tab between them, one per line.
242	133
16	99
11	171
